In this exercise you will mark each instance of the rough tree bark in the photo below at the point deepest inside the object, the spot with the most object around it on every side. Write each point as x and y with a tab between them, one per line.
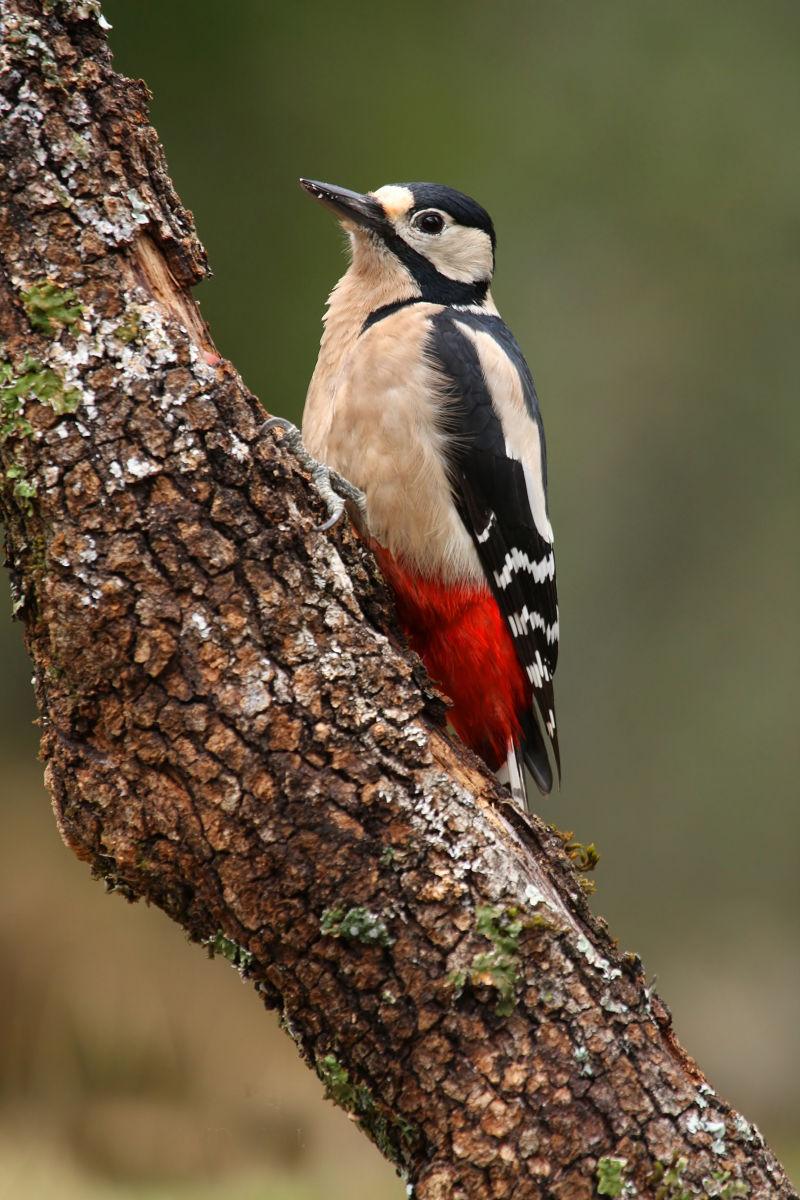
234	731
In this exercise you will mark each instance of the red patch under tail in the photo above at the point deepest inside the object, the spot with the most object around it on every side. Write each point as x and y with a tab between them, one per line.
460	635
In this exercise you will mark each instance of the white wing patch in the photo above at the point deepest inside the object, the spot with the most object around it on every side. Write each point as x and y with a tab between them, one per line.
521	433
535	489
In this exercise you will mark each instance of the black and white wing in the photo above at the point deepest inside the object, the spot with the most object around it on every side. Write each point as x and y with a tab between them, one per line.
498	472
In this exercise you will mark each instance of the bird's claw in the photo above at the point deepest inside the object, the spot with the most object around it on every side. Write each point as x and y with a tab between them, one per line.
334	489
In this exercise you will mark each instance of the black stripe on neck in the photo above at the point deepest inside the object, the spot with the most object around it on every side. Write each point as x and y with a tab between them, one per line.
435	287
386	310
456	293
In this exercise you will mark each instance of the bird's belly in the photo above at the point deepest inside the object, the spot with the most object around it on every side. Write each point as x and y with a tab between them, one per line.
387	436
460	635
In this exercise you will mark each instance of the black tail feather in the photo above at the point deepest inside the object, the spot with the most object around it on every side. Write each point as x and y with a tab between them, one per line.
534	752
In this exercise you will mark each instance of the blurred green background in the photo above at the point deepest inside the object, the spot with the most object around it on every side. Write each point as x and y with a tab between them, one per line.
641	163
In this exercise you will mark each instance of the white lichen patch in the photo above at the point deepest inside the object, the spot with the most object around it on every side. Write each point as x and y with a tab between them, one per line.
72	358
85	9
609	1004
140	467
189	460
239	449
98	339
89	552
396	714
119	220
583	1059
199	622
746	1131
415	735
695	1123
154	337
742	1128
201	369
90	599
95	340
339	576
596	960
301	645
282	688
139	208
535	897
333	665
431	824
21	36
361	713
287	1025
254	696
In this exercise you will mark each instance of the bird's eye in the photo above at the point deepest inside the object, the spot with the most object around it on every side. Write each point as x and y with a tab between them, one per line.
429	222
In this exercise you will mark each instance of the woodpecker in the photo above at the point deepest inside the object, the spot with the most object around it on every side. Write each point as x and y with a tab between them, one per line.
422	399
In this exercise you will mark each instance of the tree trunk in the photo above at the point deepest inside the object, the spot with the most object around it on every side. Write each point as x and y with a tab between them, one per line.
234	729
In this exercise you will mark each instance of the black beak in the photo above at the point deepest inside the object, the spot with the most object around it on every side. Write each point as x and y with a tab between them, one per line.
347	205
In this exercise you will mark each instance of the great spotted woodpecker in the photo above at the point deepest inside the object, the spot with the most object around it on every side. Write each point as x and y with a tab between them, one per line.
422	399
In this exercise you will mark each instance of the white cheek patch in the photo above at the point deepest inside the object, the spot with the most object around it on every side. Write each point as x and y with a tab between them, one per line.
461	252
395	201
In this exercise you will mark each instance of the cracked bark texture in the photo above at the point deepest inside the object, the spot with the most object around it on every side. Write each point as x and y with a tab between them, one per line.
234	731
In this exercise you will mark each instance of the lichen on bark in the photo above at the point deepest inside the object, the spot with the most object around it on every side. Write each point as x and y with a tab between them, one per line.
233	728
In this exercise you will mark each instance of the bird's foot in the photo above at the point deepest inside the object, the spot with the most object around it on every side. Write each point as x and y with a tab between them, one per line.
334	489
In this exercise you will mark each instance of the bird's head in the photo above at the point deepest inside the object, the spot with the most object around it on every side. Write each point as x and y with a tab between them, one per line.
443	239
